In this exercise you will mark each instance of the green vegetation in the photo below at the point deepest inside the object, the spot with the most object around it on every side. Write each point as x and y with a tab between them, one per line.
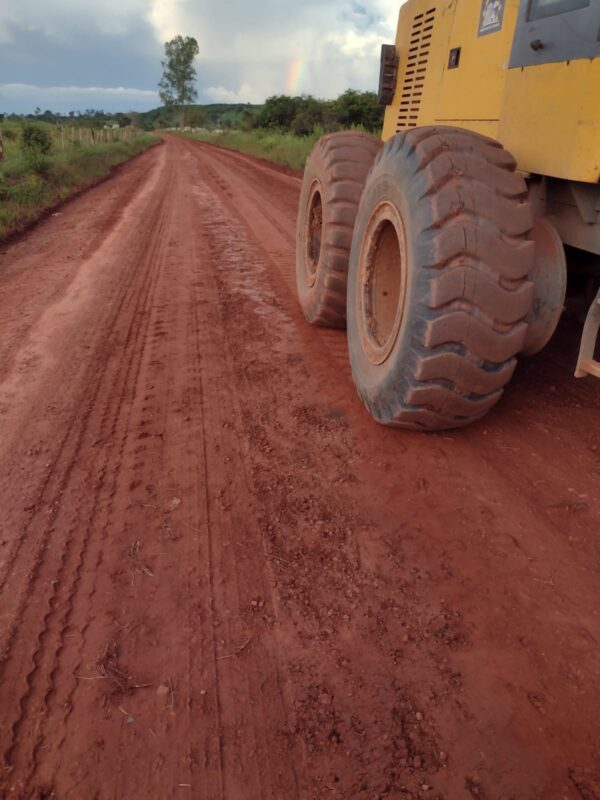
44	164
281	148
303	115
285	129
300	115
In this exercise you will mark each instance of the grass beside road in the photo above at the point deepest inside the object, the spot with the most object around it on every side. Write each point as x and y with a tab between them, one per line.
281	148
32	184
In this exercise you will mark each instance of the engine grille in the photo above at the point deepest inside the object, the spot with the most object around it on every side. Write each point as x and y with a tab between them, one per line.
416	69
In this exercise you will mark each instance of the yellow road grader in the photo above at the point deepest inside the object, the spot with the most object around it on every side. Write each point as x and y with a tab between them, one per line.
445	249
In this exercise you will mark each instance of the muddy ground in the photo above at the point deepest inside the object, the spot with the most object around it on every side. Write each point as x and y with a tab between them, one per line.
220	579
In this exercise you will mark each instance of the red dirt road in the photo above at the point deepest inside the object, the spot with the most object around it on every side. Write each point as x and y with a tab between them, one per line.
220	579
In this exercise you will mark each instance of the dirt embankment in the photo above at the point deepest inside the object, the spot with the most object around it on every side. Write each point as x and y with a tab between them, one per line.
220	579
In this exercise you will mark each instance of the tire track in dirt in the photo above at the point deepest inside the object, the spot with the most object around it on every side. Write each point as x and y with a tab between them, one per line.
259	593
59	707
70	562
135	334
257	194
318	722
505	442
142	288
251	591
98	213
50	468
273	227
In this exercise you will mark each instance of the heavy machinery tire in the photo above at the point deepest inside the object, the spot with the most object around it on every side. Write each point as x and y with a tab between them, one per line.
334	178
438	290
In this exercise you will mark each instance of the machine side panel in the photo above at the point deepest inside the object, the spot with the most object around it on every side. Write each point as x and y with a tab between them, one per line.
453	72
463	65
551	119
472	93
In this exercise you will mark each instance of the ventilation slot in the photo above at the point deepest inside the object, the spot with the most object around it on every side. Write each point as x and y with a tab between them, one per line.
416	70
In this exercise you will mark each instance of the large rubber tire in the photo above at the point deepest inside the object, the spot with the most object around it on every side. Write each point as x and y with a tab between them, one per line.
334	178
438	290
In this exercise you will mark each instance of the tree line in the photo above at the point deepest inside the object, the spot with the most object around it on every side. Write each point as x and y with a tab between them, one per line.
304	114
300	115
90	118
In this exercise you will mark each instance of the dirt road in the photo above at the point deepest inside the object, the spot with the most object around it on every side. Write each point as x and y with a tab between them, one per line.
220	579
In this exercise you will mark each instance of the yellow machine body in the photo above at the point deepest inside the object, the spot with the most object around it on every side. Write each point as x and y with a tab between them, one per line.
547	115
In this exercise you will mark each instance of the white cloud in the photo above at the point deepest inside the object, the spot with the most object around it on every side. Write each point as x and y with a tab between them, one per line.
164	18
356	45
337	43
245	94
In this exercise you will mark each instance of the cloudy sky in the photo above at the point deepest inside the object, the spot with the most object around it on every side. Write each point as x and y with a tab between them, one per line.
75	54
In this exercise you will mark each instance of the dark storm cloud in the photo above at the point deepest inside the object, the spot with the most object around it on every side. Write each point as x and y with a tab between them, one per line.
87	58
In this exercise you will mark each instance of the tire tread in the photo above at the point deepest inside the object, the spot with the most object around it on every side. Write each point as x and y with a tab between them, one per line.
346	158
472	278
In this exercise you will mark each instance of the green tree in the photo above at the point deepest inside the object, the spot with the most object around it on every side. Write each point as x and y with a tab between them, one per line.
309	115
177	85
279	112
247	119
359	108
196	117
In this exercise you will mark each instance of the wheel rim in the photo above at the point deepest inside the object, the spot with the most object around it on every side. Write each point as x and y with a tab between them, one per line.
382	282
314	233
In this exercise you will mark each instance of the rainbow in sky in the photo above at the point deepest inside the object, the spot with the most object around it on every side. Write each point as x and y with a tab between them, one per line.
295	74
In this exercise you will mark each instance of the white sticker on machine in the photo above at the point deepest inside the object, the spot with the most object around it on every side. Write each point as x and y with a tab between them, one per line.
492	14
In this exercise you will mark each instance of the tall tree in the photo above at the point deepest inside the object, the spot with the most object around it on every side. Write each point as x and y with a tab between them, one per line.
177	86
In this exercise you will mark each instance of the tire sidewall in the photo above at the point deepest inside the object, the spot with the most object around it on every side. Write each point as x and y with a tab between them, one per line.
392	180
315	171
